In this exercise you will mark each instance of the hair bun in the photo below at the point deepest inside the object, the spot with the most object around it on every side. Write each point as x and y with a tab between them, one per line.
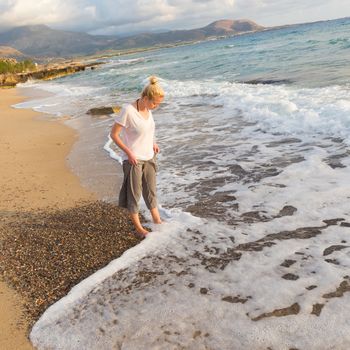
153	80
152	89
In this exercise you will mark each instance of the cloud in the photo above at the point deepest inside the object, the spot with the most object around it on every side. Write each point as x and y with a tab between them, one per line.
122	16
21	12
101	16
152	14
278	12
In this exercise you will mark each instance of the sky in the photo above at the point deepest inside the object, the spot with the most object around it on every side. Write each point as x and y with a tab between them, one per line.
115	17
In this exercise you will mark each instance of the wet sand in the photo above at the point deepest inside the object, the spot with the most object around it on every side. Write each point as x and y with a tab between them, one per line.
53	232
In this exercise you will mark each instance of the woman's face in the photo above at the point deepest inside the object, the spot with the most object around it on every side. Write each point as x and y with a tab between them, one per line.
153	103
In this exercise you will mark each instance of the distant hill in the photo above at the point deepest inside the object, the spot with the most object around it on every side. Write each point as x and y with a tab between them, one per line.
7	51
230	27
218	28
40	40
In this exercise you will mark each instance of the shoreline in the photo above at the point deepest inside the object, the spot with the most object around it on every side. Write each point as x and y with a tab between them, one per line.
88	159
46	72
53	232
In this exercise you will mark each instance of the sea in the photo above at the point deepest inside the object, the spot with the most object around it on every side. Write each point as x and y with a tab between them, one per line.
253	187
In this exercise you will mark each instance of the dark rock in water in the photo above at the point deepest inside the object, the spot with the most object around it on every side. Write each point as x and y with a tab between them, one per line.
286	141
290	276
237	299
337	139
333	248
267	241
344	287
268	81
311	287
288	262
334	161
299	233
253	216
254	246
204	291
287	210
104	110
332	222
213	263
290	310
316	309
204	206
284	161
261	172
237	170
332	261
336	164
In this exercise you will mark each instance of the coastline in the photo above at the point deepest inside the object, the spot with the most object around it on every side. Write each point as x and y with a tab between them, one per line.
53	231
46	72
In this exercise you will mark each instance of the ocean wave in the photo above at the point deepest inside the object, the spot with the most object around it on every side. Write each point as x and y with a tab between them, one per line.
275	108
130	61
338	41
266	81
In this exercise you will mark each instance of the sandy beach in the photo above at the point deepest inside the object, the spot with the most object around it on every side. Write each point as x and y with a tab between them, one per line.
53	232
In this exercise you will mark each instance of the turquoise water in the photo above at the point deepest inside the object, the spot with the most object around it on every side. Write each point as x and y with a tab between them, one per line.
310	55
254	170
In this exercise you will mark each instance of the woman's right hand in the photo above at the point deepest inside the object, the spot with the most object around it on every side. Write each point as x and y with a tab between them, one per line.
132	159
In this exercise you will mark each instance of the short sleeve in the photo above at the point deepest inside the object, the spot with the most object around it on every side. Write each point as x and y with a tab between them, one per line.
122	118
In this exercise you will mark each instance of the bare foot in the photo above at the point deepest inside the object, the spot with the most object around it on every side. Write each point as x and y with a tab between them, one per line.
155	216
142	231
137	224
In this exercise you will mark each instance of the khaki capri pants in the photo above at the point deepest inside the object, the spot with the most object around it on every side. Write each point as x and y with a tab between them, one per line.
138	179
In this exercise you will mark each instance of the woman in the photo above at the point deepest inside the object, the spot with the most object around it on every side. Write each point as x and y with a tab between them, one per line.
133	133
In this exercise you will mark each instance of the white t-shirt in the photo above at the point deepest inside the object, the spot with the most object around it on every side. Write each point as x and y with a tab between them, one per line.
137	133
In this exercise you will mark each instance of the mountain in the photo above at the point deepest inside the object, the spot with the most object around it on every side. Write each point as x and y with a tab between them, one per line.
40	40
230	27
7	51
217	28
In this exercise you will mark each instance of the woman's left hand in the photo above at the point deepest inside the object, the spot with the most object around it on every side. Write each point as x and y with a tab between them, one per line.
156	148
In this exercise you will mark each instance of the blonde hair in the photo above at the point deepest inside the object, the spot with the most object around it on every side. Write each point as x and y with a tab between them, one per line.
152	89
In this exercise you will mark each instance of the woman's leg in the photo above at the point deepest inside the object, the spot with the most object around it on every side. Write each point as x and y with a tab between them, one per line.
149	190
136	221
155	215
130	193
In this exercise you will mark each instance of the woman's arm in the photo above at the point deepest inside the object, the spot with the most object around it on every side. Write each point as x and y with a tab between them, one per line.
116	129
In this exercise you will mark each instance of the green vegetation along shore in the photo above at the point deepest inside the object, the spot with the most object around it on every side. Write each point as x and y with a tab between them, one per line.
10	65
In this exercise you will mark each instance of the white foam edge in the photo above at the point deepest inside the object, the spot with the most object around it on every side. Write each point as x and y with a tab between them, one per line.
155	240
111	152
